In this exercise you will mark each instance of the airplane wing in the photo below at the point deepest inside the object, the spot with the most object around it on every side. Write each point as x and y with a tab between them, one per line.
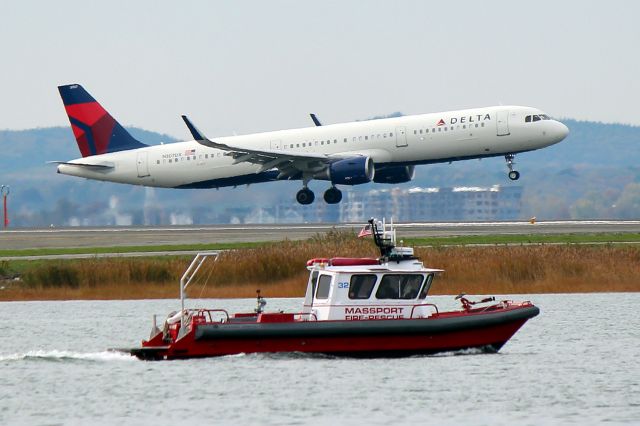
288	163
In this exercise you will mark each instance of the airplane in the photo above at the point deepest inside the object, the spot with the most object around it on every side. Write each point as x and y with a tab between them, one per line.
382	150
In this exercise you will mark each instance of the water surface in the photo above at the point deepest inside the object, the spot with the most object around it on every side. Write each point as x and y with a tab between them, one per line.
577	362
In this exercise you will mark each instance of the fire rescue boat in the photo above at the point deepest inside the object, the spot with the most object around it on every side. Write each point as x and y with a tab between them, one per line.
359	307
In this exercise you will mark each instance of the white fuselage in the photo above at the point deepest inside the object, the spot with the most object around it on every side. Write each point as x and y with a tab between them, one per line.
409	140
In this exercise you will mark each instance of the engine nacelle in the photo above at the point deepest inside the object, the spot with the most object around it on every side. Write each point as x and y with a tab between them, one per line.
352	171
395	174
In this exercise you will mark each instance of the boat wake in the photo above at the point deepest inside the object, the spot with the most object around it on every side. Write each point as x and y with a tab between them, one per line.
61	356
488	349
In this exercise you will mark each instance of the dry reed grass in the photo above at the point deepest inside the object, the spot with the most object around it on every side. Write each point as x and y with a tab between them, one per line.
279	271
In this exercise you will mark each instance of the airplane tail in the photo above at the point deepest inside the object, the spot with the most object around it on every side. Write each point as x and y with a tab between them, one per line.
96	131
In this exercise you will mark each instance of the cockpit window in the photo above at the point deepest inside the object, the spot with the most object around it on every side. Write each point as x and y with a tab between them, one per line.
536	117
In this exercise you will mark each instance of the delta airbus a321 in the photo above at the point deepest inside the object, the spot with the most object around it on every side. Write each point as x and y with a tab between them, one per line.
382	151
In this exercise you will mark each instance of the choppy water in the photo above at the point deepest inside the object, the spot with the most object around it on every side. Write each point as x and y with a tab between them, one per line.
578	362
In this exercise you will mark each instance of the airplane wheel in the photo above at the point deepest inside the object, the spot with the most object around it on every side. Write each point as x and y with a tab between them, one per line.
305	196
333	195
514	175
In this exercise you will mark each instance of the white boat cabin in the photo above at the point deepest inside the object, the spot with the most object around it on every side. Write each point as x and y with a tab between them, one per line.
367	289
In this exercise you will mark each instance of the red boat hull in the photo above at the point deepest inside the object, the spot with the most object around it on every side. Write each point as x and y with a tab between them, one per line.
488	329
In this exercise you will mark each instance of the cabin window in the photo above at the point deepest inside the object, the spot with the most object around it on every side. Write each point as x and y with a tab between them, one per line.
361	286
158	162
314	282
399	286
324	285
427	286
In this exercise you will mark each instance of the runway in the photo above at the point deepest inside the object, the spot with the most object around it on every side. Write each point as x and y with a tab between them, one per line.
174	235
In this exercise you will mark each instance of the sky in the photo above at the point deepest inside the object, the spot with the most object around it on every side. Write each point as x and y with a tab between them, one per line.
239	67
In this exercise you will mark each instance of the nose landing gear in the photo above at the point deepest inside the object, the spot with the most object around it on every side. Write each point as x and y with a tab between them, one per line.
333	195
513	174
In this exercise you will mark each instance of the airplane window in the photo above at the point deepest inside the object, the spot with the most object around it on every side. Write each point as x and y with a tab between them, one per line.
527	119
481	124
445	129
544	117
390	134
366	138
415	132
384	135
321	142
476	124
536	118
303	144
158	162
170	160
345	139
335	141
464	126
439	129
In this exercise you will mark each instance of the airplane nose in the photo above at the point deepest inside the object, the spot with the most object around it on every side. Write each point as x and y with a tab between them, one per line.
564	131
559	132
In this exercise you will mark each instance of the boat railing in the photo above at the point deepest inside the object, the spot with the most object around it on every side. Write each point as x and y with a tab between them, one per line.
188	277
423	304
209	315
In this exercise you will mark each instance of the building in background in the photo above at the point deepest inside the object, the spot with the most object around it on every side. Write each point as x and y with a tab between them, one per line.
415	204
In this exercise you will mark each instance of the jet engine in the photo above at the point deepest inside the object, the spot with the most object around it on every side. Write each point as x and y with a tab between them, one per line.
352	171
395	174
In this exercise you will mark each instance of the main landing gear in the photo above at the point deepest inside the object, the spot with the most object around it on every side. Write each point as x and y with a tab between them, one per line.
513	174
305	196
331	196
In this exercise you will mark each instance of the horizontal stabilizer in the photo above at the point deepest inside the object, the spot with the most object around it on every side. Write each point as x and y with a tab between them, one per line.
102	166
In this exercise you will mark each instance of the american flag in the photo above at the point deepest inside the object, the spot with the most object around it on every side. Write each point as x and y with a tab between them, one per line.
366	231
190	152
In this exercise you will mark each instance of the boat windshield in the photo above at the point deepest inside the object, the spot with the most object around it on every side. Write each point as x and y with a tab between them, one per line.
361	286
399	286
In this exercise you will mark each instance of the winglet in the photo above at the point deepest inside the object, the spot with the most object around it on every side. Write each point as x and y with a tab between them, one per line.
197	135
315	120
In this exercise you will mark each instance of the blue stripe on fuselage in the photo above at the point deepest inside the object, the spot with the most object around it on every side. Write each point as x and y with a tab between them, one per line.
268	176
